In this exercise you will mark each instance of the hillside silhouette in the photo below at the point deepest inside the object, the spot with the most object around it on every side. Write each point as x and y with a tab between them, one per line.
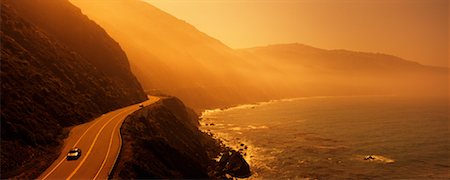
54	75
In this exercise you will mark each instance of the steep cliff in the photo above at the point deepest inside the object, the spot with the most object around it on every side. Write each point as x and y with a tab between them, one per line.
48	83
65	23
163	141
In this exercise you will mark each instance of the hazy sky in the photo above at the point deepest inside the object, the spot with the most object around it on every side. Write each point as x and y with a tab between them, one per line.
416	30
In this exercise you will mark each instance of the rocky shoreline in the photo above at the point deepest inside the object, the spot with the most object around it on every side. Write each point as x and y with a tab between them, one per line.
163	141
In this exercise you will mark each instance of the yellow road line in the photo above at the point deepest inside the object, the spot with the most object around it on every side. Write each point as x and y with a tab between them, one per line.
109	149
92	145
79	139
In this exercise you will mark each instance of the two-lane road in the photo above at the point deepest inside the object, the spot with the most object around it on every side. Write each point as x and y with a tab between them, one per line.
100	143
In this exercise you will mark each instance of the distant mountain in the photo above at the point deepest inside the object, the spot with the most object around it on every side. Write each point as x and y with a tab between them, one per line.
58	69
332	60
345	72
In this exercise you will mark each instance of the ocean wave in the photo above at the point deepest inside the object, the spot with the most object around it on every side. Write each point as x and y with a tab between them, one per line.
209	112
257	127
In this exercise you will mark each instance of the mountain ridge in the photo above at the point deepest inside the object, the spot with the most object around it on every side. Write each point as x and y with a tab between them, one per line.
377	71
303	46
298	48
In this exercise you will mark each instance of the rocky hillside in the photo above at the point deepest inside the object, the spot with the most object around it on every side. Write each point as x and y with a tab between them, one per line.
58	69
163	141
65	23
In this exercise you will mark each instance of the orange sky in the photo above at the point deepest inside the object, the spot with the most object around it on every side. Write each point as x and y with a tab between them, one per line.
416	30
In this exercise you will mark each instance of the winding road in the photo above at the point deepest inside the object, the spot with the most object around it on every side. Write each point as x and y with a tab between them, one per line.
100	142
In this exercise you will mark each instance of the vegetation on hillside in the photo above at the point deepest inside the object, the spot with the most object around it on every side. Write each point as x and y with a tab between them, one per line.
47	85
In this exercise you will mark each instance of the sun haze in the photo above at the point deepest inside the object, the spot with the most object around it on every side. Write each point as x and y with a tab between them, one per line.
416	30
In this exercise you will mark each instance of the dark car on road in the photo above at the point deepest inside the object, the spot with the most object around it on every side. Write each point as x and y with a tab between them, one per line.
74	153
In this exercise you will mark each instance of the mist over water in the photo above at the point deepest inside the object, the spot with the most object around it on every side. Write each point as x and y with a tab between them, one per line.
329	137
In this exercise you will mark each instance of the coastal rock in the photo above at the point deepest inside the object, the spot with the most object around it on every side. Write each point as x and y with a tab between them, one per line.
163	141
234	164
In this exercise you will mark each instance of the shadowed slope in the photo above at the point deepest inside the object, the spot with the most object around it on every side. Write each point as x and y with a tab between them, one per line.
65	23
48	85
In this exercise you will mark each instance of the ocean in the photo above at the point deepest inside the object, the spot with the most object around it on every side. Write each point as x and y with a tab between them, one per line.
351	137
